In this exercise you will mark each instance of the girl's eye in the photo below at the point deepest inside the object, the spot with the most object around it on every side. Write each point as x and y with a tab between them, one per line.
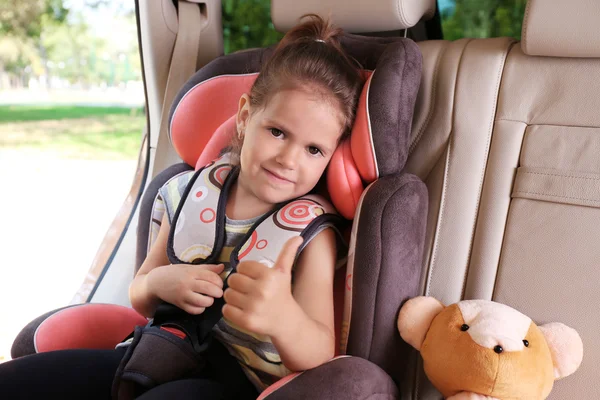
276	132
314	150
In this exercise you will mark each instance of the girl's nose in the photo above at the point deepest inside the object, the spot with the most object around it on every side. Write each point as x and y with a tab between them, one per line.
288	157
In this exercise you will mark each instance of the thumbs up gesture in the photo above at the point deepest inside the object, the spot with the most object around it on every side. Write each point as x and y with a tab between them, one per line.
259	298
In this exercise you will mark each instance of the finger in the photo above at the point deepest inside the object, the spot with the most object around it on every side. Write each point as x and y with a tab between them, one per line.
216	268
252	269
193	310
287	256
207	288
209	276
235	315
198	300
241	283
235	298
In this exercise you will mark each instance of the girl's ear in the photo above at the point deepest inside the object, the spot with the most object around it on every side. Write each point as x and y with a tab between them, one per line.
243	114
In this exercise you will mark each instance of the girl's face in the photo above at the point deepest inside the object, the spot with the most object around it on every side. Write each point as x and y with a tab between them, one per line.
287	144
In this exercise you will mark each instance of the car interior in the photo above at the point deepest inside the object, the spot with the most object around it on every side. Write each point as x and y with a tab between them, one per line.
491	191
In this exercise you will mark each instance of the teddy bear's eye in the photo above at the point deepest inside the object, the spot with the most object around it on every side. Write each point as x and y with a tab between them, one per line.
464	327
526	343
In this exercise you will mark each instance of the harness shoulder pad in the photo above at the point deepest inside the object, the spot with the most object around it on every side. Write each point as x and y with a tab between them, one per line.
305	216
197	219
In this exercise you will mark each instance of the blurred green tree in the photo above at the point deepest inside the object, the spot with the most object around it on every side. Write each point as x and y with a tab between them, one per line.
45	38
483	18
247	24
26	18
24	22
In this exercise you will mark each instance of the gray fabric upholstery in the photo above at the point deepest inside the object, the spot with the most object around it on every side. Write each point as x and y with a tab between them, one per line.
392	99
387	269
348	378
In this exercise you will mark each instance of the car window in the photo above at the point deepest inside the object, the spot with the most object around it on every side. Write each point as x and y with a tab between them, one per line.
481	18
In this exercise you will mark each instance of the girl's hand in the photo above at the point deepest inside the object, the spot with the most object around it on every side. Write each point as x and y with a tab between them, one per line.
470	396
189	287
259	298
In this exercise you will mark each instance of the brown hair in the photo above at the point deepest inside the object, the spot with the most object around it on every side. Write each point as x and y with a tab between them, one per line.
310	55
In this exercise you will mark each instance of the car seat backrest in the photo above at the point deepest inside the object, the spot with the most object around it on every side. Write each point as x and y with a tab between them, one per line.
451	137
507	138
561	29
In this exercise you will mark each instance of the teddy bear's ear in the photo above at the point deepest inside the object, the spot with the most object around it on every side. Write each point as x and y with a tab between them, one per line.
566	348
415	319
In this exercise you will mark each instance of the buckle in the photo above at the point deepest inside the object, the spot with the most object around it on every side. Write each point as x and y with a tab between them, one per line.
196	328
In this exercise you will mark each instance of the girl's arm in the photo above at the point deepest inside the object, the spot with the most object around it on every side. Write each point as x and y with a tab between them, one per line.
300	324
142	300
307	337
190	287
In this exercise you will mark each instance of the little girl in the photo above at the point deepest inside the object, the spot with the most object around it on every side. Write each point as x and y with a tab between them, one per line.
300	107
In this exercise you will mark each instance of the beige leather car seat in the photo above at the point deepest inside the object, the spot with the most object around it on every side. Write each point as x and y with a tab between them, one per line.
507	138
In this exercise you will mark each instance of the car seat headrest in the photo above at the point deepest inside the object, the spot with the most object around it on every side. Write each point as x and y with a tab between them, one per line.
202	117
354	15
558	28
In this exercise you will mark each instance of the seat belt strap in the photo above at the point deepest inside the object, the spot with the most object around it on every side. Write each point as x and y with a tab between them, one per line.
183	66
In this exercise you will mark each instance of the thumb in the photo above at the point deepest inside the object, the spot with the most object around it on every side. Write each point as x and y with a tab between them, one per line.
286	258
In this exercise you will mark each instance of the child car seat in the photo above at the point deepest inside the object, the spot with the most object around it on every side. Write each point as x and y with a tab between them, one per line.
387	236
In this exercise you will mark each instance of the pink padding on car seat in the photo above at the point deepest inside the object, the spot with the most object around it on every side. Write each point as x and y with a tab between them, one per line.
219	140
361	139
88	326
277	385
203	109
343	181
287	379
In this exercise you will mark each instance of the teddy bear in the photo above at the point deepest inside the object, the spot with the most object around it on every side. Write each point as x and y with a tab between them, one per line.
479	349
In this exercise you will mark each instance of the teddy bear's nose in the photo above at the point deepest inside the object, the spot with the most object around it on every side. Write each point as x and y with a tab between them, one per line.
498	349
